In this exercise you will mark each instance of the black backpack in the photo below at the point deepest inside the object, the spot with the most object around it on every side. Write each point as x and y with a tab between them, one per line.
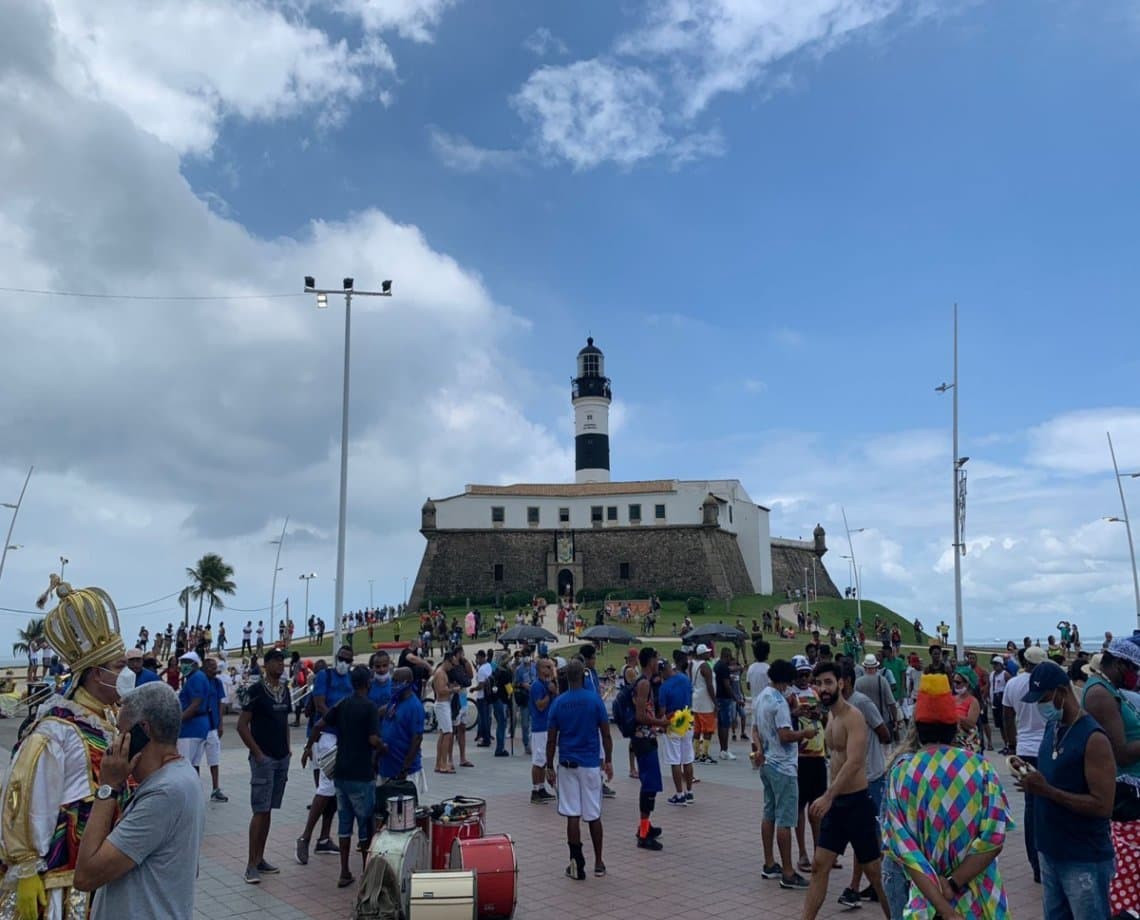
625	709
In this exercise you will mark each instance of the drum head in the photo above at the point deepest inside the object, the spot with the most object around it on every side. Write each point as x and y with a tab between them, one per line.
469	716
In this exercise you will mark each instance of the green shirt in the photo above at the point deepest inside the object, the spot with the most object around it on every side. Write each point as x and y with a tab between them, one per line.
897	667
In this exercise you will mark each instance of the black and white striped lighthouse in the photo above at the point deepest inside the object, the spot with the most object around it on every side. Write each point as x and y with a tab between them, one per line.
590	394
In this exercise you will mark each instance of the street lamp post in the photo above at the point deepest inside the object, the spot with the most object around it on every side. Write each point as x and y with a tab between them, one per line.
280	541
306	579
807	597
63	561
12	524
854	568
323	302
959	487
1127	523
371	599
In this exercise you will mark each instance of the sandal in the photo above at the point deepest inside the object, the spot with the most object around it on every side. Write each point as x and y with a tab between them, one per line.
466	763
452	770
344	881
633	774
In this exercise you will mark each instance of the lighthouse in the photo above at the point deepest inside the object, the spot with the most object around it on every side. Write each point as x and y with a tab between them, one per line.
590	395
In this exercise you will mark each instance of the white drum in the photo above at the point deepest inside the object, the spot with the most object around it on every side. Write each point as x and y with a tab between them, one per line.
469	716
406	852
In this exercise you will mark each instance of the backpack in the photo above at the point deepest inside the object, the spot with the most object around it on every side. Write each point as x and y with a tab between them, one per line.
625	710
378	897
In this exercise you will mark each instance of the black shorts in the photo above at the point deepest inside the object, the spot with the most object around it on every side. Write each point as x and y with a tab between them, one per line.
852	820
997	707
811	775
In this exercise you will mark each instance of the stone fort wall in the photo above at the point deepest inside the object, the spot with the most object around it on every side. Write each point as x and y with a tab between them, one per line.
790	558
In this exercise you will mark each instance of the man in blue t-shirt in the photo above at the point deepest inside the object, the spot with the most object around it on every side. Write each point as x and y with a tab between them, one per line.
676	693
543	690
329	687
380	690
195	699
577	726
214	736
590	681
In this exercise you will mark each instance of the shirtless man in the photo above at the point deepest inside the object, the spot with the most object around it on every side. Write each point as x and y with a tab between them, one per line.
442	687
845	812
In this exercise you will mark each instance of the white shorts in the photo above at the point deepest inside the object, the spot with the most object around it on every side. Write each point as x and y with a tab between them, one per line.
538	749
192	749
678	749
325	785
213	748
443	717
580	792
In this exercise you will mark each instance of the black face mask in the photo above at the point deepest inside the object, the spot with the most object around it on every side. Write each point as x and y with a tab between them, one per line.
139	740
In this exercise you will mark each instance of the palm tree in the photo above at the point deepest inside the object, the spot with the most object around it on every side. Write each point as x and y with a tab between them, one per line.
29	638
210	578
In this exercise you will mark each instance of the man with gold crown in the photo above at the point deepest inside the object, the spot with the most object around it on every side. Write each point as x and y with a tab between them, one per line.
53	780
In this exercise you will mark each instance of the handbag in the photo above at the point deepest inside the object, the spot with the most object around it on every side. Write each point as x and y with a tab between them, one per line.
1126	802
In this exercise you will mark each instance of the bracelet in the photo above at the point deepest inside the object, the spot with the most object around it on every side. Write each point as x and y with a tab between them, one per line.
954	886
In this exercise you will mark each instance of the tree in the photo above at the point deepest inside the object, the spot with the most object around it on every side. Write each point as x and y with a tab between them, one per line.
210	578
30	638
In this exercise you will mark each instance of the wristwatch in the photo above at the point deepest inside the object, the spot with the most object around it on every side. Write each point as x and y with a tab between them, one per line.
954	886
105	792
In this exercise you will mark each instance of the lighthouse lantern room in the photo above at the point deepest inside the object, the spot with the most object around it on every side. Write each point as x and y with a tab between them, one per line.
591	396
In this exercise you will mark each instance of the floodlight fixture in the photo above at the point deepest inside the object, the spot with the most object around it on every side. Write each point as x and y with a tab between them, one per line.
348	284
386	288
310	282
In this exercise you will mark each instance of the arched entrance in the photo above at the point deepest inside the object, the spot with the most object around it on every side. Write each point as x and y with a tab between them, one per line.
565	583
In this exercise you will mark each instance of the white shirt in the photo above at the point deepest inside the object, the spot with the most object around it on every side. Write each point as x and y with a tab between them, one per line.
227	686
1030	725
998	680
757	678
482	676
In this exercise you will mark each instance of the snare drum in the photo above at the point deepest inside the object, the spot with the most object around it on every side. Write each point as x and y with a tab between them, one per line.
406	852
401	813
497	869
445	832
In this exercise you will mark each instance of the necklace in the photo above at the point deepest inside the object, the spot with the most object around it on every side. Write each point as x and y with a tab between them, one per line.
276	691
1058	740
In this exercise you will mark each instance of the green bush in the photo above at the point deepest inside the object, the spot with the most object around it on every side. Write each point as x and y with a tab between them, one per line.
695	605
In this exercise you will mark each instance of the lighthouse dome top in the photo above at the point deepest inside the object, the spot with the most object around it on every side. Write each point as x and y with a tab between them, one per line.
591	348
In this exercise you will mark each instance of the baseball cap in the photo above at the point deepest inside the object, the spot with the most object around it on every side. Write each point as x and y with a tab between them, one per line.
997	659
1046	678
133	653
800	663
1035	654
870	661
192	656
703	649
274	653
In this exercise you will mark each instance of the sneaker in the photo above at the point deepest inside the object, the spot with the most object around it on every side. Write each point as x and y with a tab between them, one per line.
728	755
251	876
654	833
607	792
326	846
771	872
266	868
218	796
678	799
688	797
502	753
796	883
546	796
540	797
302	851
868	894
649	843
850	898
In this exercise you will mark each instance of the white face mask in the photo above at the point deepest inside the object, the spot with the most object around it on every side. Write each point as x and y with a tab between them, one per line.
341	667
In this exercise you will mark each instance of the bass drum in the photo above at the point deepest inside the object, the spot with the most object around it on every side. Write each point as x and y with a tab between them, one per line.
445	832
497	871
469	716
406	852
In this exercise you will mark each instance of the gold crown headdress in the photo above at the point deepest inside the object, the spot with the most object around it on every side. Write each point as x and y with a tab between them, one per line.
83	627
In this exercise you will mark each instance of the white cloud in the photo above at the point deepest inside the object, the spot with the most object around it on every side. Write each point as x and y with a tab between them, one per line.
542	42
458	153
1076	442
412	19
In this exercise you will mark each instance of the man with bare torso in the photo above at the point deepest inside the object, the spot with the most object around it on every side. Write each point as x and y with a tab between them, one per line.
442	687
845	811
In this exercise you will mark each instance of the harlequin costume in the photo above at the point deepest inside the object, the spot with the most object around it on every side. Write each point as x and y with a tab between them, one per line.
55	768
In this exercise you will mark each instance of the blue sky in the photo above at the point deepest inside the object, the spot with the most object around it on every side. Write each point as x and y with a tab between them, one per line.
762	211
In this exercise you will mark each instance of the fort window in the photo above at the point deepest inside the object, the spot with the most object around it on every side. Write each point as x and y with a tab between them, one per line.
623	570
497	514
532	514
498	571
730	514
595	514
659	512
611	513
563	515
634	513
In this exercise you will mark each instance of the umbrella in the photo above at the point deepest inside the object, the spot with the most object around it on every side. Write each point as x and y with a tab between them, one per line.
717	631
527	634
609	633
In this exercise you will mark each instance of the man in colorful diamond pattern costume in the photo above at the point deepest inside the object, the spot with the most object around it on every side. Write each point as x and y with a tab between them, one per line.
55	766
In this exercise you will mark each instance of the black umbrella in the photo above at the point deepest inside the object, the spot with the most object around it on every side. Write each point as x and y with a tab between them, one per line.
717	631
527	634
609	633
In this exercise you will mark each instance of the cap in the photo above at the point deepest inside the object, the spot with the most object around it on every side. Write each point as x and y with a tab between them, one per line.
934	643
632	653
702	649
870	661
997	659
133	653
1046	678
192	656
800	663
1035	654
274	654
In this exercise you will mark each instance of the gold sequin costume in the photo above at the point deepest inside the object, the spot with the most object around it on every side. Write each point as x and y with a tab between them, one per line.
55	770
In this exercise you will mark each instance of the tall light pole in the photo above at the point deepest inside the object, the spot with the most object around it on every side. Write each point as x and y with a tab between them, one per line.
323	302
850	569
959	488
280	541
12	524
854	567
306	579
807	597
1127	523
63	561
371	599
405	591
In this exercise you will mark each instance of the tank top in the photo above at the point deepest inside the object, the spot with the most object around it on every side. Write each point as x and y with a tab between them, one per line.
1061	833
702	700
1128	715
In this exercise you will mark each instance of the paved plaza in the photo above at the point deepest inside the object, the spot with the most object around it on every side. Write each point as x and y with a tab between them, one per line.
711	861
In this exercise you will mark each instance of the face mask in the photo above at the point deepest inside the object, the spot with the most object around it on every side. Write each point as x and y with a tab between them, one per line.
1131	679
139	740
341	667
185	669
960	691
1049	712
400	687
382	678
110	686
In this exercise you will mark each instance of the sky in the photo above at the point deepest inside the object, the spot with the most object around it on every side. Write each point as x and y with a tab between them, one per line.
763	211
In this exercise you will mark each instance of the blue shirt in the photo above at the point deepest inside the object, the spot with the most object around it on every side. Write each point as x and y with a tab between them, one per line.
590	681
195	687
526	673
577	715
771	714
380	693
145	676
675	693
539	718
334	688
217	691
397	732
1063	835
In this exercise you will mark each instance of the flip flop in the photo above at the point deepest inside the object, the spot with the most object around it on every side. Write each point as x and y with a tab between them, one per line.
344	881
633	774
445	771
466	763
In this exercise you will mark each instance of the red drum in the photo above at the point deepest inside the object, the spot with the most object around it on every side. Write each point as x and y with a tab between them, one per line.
464	806
497	872
444	833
